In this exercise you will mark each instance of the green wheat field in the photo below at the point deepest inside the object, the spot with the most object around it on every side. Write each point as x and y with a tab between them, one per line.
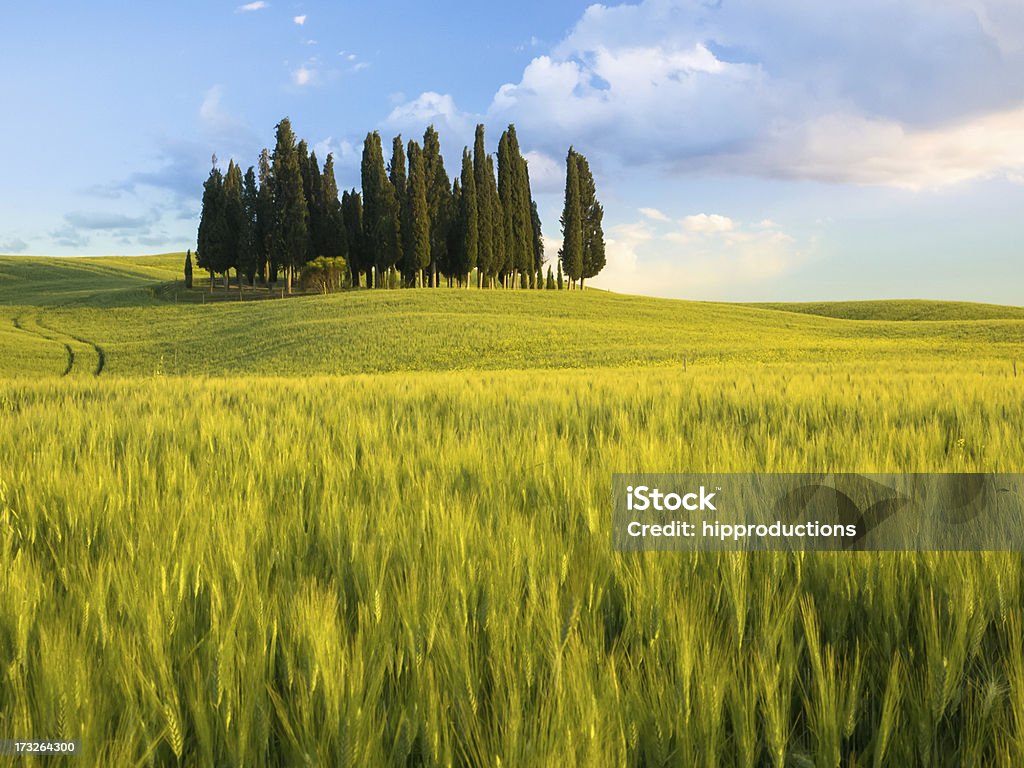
374	528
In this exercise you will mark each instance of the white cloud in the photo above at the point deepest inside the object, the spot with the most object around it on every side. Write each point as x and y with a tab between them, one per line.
303	76
653	214
704	223
360	66
546	174
259	5
742	261
918	94
300	20
427	108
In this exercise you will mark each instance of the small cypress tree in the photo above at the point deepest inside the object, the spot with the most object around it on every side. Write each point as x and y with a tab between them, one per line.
560	284
550	285
188	268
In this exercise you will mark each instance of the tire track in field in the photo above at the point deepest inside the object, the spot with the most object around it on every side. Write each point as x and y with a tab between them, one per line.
19	325
70	342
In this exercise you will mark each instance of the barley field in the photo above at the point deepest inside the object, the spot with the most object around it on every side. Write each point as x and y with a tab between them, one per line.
297	532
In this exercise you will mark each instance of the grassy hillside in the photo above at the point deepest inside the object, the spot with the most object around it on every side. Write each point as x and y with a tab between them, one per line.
212	555
142	325
906	309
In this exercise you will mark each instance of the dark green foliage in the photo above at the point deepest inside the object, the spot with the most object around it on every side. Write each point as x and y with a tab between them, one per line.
514	191
561	282
485	247
326	274
592	217
381	222
439	202
247	257
550	284
291	214
352	215
234	218
498	235
538	237
264	229
466	242
571	252
188	269
417	224
212	238
332	226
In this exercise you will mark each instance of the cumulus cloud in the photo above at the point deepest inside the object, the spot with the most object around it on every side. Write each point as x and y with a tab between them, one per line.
546	173
300	20
259	5
930	96
714	263
431	108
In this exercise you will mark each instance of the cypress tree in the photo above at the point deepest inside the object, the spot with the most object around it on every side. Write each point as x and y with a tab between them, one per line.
264	234
538	237
352	214
560	283
514	191
439	202
399	180
550	285
381	227
418	216
468	218
234	217
485	250
571	252
291	214
498	236
247	253
593	258
212	236
188	268
332	234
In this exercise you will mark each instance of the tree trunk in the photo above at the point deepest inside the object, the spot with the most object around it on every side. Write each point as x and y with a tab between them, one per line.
288	271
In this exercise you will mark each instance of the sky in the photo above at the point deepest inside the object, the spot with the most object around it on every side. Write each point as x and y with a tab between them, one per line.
743	150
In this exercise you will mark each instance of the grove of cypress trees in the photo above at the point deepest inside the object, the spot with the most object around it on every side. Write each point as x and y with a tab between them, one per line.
571	253
291	214
514	191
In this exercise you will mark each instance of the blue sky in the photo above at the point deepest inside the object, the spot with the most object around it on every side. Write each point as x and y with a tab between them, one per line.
743	150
